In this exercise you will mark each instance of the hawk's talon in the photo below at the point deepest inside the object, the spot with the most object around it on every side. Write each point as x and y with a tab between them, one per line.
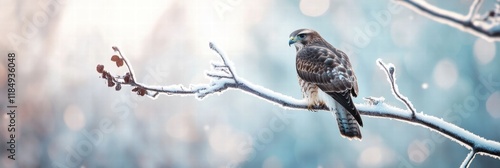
322	105
311	108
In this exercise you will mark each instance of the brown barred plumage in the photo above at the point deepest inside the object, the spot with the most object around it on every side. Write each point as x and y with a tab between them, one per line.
325	70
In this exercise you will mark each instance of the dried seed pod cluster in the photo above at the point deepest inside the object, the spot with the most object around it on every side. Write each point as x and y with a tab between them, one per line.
117	81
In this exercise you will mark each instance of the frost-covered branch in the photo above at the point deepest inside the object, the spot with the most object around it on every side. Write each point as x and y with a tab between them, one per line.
486	26
468	159
459	135
223	76
389	71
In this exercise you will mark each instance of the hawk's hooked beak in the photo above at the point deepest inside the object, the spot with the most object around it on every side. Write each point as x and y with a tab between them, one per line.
291	41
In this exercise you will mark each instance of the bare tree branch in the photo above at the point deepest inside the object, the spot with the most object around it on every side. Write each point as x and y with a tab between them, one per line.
389	71
473	9
468	160
486	27
223	77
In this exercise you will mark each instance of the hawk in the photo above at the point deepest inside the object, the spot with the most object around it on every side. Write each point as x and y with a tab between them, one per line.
327	79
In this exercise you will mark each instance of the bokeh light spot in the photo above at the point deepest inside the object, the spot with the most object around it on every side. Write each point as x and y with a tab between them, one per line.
484	51
314	8
181	127
371	156
226	142
425	85
74	118
418	151
493	105
445	74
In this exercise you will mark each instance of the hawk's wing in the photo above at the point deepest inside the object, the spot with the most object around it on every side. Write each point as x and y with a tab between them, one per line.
331	71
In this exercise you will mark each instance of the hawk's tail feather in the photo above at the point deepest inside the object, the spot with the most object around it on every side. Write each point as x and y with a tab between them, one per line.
348	126
357	117
344	99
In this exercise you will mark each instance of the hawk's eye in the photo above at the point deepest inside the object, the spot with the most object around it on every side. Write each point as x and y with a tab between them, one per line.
302	35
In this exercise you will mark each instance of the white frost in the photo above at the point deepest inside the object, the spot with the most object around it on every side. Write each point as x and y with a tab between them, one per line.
376	107
469	23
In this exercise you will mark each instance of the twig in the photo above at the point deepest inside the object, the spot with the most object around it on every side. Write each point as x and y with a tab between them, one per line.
389	71
473	9
374	108
129	67
224	60
468	160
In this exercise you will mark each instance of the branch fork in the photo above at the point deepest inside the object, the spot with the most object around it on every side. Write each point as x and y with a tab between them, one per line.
486	26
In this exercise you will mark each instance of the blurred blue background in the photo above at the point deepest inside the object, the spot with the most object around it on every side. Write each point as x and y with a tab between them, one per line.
67	117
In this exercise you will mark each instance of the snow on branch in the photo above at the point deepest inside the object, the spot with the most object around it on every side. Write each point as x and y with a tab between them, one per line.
468	159
389	71
223	76
486	26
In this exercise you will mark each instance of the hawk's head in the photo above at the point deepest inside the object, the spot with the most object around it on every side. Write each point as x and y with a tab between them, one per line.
303	37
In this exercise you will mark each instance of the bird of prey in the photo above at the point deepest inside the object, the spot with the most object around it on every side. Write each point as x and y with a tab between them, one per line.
327	79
